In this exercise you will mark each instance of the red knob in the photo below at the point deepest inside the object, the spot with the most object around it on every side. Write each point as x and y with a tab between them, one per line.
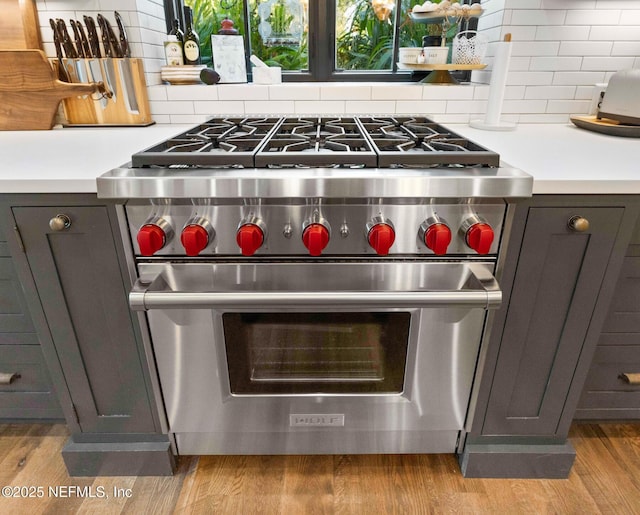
315	237
437	238
480	237
249	238
194	239
151	238
381	237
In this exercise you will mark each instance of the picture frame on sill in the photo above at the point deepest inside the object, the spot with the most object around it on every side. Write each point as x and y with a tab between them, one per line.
229	58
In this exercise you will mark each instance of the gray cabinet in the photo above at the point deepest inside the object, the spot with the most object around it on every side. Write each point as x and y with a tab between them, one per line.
612	391
26	391
76	288
76	272
557	284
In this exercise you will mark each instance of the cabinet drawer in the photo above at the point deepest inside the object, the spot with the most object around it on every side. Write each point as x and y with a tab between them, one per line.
28	362
30	394
14	315
624	313
605	388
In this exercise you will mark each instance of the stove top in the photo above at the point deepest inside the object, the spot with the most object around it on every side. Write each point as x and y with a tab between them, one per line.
312	142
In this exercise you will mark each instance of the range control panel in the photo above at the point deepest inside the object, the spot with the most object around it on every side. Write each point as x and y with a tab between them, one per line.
253	228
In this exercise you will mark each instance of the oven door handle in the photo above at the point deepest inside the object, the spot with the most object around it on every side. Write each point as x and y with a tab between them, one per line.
481	290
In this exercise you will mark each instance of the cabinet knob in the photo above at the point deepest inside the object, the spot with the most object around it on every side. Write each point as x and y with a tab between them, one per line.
8	377
630	378
578	223
60	222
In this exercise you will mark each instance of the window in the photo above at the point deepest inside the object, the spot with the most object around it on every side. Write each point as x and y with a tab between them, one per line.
322	40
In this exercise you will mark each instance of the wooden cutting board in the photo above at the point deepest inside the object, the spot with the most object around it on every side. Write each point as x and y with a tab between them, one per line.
30	92
19	25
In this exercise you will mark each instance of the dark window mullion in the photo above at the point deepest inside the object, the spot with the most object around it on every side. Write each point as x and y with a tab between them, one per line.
396	36
322	27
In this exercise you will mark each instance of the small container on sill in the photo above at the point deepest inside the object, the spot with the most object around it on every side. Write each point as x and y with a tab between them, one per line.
435	54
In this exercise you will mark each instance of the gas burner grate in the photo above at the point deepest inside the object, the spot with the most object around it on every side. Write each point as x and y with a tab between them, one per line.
308	141
317	142
218	143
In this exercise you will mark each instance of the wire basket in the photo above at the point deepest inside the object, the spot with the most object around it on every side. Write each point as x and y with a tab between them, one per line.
469	47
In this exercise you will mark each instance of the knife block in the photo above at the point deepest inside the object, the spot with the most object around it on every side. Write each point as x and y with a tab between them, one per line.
30	92
125	102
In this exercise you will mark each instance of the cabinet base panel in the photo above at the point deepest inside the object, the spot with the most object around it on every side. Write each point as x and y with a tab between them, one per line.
517	461
139	458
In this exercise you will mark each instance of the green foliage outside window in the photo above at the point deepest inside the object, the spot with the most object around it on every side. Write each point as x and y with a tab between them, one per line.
363	41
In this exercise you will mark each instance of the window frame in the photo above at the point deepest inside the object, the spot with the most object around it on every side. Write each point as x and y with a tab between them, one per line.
322	47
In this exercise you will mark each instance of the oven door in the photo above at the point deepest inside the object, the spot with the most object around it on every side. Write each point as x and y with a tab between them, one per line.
316	357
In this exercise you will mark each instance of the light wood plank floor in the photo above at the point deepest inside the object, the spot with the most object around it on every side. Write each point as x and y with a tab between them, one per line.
604	479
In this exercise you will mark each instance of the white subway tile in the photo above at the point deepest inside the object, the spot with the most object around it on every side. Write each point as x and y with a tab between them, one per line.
348	91
401	91
530	78
192	92
555	63
544	118
524	106
426	107
273	107
171	107
162	118
562	33
536	48
519	63
630	48
514	92
523	4
440	92
466	106
630	17
491	20
578	78
614	33
320	107
370	106
157	93
114	5
568	106
291	91
549	92
213	107
615	4
606	63
538	17
584	92
453	118
568	4
518	33
189	118
491	6
591	17
583	48
243	92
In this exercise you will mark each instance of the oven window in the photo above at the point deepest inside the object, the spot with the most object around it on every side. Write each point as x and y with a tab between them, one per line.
275	353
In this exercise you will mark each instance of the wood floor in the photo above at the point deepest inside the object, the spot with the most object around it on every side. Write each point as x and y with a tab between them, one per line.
604	479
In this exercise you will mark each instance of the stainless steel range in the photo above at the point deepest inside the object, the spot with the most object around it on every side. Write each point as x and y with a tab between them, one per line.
315	285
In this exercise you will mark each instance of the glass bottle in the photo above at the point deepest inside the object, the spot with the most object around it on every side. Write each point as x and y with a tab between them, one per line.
191	44
175	31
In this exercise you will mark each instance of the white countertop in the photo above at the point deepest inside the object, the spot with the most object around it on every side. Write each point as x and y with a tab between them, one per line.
563	159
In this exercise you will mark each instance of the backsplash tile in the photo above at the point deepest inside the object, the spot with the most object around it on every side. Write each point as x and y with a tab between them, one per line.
560	49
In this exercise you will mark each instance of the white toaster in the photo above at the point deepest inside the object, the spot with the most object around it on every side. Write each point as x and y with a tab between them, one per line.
621	100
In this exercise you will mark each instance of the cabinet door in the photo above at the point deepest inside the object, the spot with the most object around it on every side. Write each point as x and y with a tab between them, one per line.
558	277
77	274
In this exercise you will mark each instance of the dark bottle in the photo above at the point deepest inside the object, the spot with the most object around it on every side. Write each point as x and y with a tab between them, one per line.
191	46
175	31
